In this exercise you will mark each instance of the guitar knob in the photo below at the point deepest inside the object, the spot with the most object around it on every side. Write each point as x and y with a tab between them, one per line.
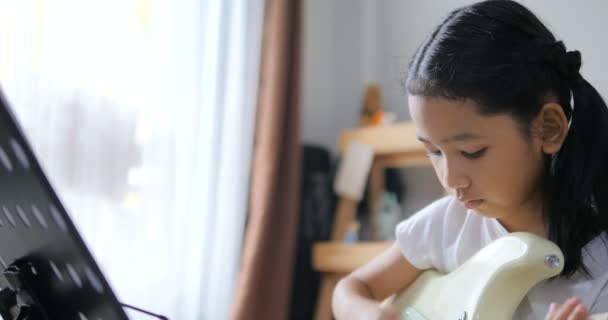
552	261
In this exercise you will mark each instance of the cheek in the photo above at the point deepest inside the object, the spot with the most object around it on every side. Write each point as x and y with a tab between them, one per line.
438	168
510	175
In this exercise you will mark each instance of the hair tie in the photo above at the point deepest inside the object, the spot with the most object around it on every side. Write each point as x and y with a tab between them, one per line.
567	63
570	66
553	54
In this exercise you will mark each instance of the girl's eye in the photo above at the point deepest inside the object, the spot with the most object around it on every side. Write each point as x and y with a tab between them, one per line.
474	155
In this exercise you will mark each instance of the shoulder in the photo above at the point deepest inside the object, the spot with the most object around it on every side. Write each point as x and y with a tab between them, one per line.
437	210
444	234
437	215
422	237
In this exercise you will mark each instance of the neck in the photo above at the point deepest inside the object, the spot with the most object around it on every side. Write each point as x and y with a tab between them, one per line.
535	227
528	218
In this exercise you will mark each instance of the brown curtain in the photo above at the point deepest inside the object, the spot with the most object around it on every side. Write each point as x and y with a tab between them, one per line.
263	288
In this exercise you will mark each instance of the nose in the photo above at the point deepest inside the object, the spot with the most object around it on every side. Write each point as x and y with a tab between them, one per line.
452	175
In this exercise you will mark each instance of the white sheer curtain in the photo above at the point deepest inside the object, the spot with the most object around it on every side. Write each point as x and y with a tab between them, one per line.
142	113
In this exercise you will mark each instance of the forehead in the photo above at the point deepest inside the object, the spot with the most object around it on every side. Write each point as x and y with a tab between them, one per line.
439	119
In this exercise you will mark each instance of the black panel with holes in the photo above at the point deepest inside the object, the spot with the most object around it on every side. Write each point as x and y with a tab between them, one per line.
37	236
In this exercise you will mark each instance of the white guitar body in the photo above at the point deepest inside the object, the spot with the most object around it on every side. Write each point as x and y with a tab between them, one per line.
490	285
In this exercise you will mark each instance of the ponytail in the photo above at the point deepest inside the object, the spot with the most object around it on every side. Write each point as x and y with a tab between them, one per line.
578	201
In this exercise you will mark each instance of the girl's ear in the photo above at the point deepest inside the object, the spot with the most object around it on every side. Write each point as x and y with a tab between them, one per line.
553	126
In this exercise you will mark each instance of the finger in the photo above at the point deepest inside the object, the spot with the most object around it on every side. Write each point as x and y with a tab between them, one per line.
565	310
553	307
551	312
579	313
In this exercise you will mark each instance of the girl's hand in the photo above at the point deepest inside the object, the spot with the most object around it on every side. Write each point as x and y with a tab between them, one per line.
572	309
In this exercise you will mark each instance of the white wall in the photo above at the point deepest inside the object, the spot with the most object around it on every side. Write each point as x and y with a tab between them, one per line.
349	43
332	73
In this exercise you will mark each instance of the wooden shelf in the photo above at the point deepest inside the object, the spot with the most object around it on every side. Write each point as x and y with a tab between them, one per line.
396	138
393	146
338	257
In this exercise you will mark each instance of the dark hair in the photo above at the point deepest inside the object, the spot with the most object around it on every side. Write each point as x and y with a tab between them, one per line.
500	55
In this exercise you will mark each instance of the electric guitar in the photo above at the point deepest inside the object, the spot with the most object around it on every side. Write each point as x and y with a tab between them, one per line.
490	285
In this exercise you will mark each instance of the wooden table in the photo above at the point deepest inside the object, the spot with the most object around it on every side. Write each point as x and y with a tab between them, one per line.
394	146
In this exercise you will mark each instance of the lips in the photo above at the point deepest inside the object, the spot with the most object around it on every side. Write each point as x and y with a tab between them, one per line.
472	204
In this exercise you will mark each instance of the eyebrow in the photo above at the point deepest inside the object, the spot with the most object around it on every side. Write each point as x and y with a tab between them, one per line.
461	137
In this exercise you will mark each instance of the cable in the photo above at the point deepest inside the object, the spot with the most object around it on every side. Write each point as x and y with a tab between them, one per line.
144	311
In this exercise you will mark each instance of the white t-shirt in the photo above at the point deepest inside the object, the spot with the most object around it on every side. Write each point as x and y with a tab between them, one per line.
445	234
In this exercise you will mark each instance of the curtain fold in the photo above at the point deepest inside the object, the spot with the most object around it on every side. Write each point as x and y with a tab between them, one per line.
264	284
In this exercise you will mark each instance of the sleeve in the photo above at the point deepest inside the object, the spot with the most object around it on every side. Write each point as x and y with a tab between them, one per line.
420	236
595	258
600	303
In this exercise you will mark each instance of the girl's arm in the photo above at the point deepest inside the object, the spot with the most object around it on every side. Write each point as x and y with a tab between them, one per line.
358	295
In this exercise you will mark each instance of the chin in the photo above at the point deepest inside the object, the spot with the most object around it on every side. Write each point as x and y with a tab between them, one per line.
483	210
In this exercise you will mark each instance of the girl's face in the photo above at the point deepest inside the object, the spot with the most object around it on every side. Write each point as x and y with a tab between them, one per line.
485	161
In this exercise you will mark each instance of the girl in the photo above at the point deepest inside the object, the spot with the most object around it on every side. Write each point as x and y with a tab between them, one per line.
516	135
